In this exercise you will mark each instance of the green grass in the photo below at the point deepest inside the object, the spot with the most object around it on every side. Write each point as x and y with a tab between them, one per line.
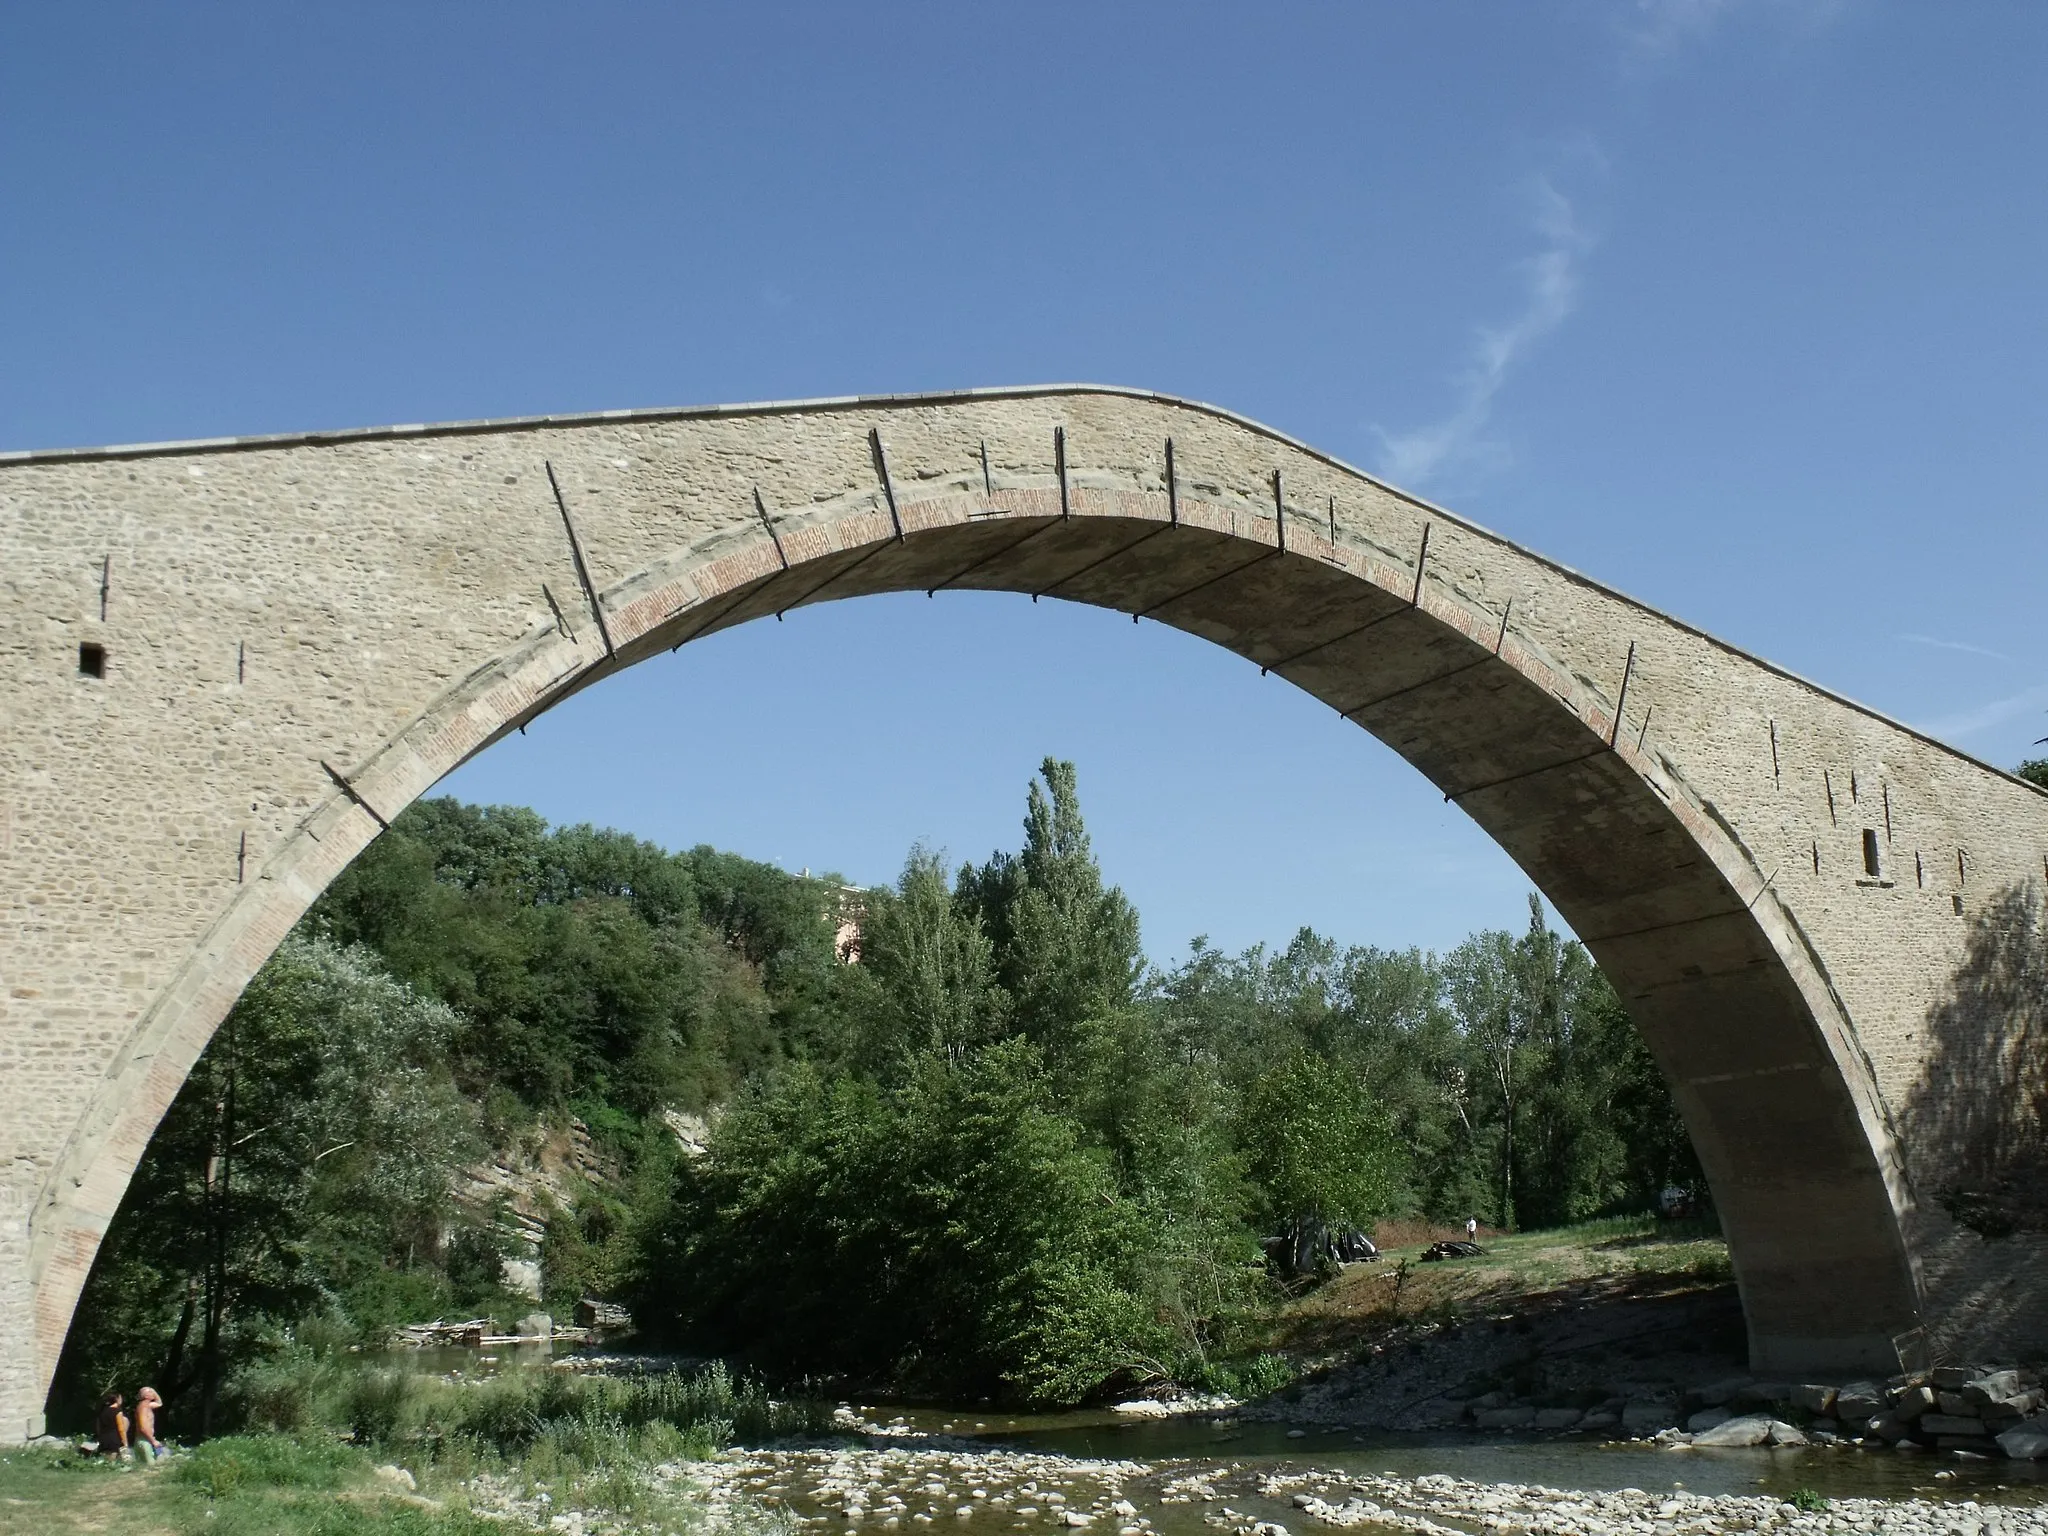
262	1485
1612	1256
318	1428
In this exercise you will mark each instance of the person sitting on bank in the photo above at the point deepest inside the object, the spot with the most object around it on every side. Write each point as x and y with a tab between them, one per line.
147	1446
112	1429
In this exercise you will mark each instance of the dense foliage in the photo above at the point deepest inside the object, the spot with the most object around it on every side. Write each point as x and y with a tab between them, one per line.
996	1155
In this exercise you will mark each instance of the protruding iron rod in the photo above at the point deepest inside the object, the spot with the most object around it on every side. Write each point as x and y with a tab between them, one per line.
1621	698
604	630
1501	639
769	523
888	485
988	484
1279	514
1172	489
350	790
1059	458
1421	560
561	622
106	585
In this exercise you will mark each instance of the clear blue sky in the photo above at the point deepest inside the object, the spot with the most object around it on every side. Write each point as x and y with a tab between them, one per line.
1740	307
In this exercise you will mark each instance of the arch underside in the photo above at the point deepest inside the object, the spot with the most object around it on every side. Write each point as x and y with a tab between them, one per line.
1808	1208
1712	968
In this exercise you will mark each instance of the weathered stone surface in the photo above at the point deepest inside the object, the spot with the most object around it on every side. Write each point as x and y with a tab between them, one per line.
1557	1418
1913	1402
1994	1387
1750	1429
376	607
1859	1400
1708	1418
2028	1442
1950	1424
1814	1399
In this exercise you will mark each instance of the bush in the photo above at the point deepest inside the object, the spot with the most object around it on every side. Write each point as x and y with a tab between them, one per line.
376	1404
234	1462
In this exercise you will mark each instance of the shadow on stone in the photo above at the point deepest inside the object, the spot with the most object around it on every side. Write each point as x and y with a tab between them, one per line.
1975	1123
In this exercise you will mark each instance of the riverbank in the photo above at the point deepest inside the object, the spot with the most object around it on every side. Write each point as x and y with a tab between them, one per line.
905	1488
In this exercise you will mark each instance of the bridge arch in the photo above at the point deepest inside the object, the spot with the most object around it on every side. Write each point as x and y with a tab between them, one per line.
391	602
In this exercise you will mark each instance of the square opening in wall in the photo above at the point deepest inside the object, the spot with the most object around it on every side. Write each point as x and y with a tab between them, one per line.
92	659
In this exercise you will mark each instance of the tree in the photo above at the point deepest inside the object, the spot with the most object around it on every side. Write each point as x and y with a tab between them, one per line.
1318	1152
933	965
1066	947
311	1147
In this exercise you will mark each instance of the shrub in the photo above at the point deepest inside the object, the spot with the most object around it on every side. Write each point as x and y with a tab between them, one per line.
377	1404
233	1462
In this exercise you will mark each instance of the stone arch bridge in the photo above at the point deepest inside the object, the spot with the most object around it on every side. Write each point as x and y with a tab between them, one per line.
228	664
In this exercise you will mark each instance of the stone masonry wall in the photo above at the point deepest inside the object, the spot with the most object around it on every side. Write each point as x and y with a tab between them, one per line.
277	618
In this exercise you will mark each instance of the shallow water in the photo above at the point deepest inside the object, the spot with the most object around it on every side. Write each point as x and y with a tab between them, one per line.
1547	1460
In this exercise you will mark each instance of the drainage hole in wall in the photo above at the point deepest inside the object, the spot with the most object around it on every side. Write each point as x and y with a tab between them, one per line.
92	660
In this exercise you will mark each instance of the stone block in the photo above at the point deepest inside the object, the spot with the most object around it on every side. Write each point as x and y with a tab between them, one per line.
1558	1418
1954	1402
1993	1387
1814	1399
1859	1400
2027	1442
1954	1424
1913	1402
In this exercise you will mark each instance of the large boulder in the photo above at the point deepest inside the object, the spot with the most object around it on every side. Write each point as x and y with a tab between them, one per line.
1557	1418
1816	1400
2027	1442
1750	1429
1992	1387
1859	1400
1913	1402
1708	1418
1951	1424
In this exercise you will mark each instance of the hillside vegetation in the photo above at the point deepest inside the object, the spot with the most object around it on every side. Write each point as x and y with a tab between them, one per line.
994	1155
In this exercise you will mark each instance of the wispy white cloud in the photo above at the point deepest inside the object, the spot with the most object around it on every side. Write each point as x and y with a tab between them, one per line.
1955	645
1654	31
1970	721
1551	290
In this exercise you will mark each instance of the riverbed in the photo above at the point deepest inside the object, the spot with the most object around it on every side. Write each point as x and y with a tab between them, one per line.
1093	1474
